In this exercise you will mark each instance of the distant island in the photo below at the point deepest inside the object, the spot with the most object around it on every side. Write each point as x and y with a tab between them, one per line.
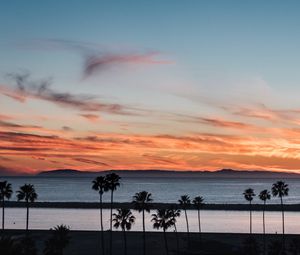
223	173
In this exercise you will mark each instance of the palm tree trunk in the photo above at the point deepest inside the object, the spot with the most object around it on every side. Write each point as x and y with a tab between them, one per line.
177	238
166	242
264	227
250	217
27	216
144	234
125	242
111	208
199	220
282	214
101	225
187	225
187	221
3	214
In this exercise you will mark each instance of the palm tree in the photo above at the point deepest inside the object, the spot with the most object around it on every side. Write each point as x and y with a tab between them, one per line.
248	195
123	219
264	196
28	194
58	242
113	182
185	202
198	203
162	220
280	189
174	214
141	202
5	193
99	184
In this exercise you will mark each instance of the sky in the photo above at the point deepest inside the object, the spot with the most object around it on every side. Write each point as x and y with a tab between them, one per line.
181	85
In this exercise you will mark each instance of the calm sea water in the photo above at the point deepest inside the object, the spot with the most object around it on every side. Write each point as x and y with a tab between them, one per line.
162	189
212	221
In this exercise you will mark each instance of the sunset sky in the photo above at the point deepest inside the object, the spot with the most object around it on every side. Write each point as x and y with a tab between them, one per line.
184	85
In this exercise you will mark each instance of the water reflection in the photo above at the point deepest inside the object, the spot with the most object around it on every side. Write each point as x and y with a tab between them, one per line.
212	221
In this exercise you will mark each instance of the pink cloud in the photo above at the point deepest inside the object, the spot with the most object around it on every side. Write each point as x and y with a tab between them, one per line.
90	117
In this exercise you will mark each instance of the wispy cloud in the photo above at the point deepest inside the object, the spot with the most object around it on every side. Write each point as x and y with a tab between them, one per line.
97	57
90	161
259	111
90	117
5	117
195	151
66	128
214	121
159	160
217	122
19	126
262	112
6	124
99	63
26	88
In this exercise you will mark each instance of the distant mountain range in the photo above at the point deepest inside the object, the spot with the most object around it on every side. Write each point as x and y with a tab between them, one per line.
224	173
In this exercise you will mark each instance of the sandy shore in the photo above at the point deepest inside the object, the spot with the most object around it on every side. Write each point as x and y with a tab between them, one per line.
87	242
91	205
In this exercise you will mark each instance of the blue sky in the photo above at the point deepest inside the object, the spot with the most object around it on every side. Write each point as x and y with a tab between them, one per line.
221	36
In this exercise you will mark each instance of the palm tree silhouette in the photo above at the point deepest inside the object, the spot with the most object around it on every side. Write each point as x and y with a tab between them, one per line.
58	241
185	202
174	214
5	193
113	182
100	184
280	189
248	195
28	194
162	220
264	196
198	203
141	202
123	219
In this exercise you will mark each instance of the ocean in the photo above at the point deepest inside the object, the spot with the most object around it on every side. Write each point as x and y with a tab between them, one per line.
212	221
163	189
215	190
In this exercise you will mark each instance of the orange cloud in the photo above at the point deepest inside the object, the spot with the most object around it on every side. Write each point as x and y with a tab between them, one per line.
228	124
120	151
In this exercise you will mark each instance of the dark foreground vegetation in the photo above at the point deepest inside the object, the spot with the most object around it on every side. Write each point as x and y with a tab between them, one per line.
86	242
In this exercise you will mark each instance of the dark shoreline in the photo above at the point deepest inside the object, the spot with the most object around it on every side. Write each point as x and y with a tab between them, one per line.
87	242
94	205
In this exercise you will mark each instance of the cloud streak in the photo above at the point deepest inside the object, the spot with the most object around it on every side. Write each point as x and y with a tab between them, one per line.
90	161
25	88
90	117
98	58
99	63
195	151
